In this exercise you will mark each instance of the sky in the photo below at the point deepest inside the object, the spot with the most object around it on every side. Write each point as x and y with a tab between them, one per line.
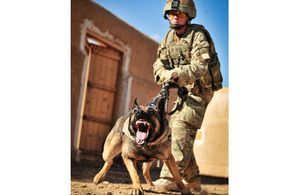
147	17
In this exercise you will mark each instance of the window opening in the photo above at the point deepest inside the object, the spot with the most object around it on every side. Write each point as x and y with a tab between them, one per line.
93	41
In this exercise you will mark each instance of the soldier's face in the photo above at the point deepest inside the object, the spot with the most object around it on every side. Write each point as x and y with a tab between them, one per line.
176	17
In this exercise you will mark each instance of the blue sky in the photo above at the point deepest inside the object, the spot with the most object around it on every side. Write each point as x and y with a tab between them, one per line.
147	17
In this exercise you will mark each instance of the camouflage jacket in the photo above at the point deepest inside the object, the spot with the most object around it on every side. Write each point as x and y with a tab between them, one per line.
190	53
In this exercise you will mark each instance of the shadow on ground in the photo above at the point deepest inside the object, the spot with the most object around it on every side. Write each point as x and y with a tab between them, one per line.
86	170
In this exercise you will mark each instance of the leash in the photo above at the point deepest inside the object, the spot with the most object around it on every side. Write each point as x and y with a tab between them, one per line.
165	92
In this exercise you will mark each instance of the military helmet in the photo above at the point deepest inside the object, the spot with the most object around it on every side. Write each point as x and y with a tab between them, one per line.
186	6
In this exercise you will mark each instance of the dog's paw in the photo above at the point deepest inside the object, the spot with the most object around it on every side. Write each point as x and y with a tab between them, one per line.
137	191
98	178
186	192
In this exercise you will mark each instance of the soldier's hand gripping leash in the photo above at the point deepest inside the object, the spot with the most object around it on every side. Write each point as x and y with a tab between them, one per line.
164	93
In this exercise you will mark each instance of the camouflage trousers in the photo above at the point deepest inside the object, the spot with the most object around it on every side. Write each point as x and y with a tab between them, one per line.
184	124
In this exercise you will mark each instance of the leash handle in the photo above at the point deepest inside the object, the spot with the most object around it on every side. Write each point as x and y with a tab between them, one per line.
164	93
167	93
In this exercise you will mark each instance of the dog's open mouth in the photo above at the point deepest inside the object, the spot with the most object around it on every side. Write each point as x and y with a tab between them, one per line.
143	127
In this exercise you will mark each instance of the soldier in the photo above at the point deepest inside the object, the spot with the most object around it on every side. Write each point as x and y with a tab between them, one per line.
187	56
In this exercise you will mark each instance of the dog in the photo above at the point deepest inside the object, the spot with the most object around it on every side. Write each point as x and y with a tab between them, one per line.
143	135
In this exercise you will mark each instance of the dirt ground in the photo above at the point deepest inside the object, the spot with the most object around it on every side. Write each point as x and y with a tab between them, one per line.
118	180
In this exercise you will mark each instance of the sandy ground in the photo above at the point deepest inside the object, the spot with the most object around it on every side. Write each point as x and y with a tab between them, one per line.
118	180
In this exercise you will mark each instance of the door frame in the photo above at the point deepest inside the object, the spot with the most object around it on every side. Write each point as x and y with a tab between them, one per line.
85	73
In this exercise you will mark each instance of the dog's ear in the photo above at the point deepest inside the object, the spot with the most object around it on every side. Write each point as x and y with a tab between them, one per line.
161	106
135	104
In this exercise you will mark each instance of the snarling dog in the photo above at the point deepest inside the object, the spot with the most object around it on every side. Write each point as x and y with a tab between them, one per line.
142	135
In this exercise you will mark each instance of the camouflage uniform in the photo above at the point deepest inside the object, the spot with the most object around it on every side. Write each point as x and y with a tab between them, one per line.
188	55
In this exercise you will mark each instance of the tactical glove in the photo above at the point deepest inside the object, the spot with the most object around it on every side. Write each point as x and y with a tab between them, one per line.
161	74
173	75
176	75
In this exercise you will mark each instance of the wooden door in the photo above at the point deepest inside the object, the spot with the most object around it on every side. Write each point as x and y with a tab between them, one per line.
99	100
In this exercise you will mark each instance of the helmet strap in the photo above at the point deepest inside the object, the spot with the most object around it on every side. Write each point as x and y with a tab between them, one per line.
176	26
179	26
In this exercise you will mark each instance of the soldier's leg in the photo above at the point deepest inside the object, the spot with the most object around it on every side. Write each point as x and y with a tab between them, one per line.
166	181
191	173
182	150
184	124
193	115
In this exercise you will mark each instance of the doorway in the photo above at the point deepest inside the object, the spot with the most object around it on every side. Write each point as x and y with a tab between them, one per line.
99	96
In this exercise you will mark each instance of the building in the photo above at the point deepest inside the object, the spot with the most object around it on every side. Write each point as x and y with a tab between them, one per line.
111	64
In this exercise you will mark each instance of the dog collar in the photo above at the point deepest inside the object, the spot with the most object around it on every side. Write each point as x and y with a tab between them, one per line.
152	105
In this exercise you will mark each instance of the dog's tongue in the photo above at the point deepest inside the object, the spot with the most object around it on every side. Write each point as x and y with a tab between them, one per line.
141	135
